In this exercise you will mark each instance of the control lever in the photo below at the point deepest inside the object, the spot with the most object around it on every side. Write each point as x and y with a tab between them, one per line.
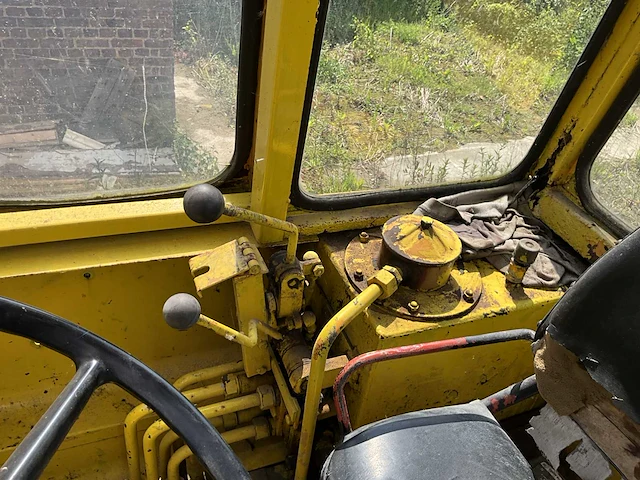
182	311
205	204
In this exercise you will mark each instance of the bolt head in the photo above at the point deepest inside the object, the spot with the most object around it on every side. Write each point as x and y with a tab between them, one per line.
467	296
318	271
414	306
363	237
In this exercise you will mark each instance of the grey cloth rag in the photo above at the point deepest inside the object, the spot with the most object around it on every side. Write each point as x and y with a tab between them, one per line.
490	227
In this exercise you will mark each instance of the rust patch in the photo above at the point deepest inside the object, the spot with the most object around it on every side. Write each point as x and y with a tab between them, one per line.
544	172
594	252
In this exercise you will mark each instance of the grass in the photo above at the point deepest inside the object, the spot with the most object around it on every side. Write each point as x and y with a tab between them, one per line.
399	83
615	174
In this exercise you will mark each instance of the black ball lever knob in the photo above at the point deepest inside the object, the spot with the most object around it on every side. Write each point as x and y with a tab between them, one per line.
181	311
204	203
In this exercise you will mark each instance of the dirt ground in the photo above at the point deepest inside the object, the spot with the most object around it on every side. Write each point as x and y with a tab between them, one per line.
198	116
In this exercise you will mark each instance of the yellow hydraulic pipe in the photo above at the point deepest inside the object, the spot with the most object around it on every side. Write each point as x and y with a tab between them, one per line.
158	428
142	411
290	229
318	361
211	373
165	444
247	340
184	452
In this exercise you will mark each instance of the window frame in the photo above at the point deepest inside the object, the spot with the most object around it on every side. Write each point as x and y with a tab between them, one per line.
246	97
607	126
302	199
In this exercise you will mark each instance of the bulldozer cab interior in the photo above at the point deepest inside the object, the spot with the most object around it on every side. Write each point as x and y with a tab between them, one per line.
319	239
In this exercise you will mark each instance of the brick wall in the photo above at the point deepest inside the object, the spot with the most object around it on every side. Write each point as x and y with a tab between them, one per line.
54	52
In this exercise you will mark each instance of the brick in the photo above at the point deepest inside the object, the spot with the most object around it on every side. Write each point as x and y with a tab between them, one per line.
35	22
18	33
125	33
8	22
55	32
57	43
127	42
37	33
15	12
91	32
53	12
70	12
92	42
20	43
70	22
35	12
141	52
158	43
72	32
115	22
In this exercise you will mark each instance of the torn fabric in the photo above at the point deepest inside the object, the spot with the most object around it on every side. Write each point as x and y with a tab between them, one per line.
490	227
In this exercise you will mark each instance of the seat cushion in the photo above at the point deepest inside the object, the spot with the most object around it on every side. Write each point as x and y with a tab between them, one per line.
457	442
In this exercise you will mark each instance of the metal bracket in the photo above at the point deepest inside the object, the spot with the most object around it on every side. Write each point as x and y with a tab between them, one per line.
237	257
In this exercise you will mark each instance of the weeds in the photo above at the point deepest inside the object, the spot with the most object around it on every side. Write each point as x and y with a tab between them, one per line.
192	160
406	79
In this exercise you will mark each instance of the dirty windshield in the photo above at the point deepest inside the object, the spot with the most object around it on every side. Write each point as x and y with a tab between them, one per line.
411	93
110	98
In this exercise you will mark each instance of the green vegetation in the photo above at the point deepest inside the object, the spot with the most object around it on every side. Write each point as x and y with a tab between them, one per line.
615	174
405	77
194	162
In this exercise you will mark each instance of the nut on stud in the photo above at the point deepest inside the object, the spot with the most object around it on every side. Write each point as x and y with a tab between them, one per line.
467	295
267	397
414	306
363	237
358	275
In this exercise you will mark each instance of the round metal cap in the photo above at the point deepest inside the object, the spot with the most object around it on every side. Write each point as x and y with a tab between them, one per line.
421	240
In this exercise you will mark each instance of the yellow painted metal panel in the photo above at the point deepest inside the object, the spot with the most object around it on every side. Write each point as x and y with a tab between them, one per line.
289	30
89	221
604	80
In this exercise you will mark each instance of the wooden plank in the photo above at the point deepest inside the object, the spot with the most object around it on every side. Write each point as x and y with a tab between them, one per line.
28	127
22	139
616	435
110	92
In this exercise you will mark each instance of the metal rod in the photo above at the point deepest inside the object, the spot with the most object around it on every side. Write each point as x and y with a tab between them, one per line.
411	351
246	340
318	361
142	411
511	395
290	229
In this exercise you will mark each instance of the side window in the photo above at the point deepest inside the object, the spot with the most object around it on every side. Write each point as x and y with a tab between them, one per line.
615	173
413	93
102	99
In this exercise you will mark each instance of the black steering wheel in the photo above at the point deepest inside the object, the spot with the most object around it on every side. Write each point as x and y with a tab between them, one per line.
99	362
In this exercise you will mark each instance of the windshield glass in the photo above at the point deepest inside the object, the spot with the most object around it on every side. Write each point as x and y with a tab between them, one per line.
101	99
412	93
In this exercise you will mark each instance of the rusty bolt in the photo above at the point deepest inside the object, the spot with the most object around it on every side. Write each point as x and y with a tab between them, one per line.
231	385
267	397
318	270
359	275
414	306
363	237
467	295
426	223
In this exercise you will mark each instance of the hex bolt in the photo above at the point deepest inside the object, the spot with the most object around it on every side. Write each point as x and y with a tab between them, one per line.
414	306
318	271
267	397
467	295
363	237
359	275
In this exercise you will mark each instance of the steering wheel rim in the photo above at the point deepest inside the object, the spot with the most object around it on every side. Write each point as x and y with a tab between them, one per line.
99	362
